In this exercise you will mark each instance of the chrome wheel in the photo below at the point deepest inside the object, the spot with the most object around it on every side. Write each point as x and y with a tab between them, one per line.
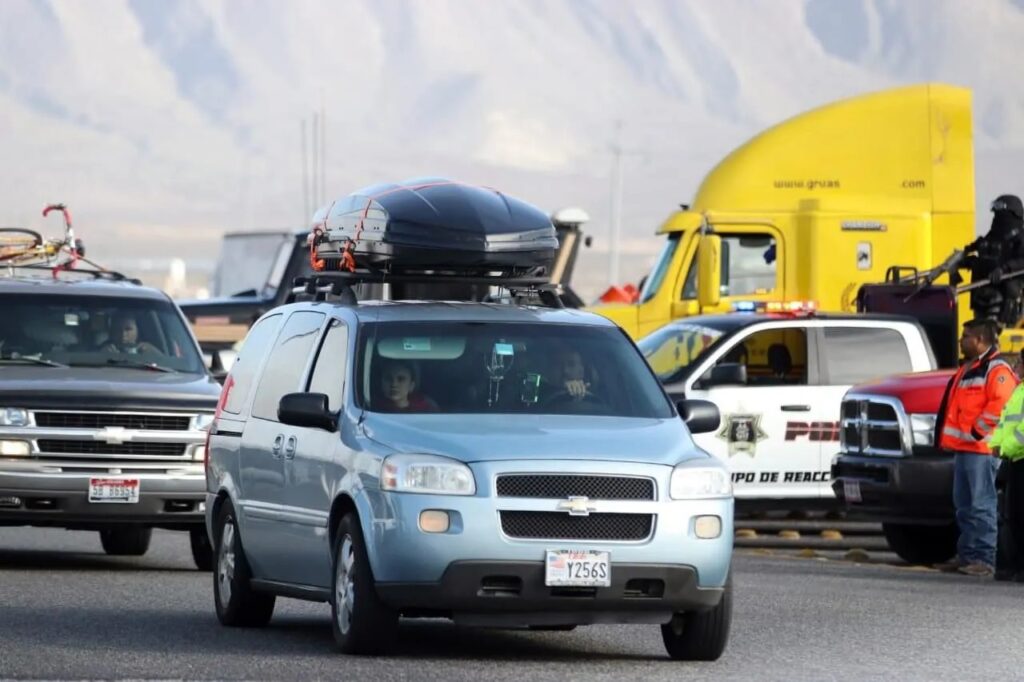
226	563
344	585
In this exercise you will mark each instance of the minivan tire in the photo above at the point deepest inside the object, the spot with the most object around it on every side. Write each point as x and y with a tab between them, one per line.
362	623
237	604
202	550
923	545
129	541
700	635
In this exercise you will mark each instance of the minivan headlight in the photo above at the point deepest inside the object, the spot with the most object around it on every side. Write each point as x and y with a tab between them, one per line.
13	416
426	474
923	427
699	483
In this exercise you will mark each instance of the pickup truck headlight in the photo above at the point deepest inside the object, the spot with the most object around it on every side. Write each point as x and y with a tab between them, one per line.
699	483
923	427
202	422
13	416
426	474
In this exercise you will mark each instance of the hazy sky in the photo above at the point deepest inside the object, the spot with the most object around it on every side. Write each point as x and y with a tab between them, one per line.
164	123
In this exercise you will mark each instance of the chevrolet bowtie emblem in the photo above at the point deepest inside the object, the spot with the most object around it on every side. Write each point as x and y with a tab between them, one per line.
577	506
112	435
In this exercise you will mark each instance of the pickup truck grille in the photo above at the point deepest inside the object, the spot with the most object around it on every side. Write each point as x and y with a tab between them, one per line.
562	486
538	525
99	420
873	426
91	447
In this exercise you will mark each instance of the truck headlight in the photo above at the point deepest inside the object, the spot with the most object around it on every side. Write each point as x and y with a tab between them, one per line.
13	416
923	427
201	422
426	474
699	483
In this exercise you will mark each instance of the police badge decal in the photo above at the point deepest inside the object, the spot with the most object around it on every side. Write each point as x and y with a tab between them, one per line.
742	432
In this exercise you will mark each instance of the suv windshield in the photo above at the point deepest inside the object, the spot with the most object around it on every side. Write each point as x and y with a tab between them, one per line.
671	350
95	331
479	368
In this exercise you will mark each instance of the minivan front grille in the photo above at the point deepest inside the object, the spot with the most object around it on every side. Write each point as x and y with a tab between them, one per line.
562	486
99	420
539	525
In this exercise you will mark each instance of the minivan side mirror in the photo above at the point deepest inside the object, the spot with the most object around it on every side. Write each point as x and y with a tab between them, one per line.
306	409
725	374
701	416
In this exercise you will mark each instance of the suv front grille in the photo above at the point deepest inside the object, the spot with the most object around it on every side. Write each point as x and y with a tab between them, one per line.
92	447
99	420
871	428
541	525
561	486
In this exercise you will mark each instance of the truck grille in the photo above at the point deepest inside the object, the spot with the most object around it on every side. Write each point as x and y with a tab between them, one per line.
561	486
539	525
92	447
99	420
872	427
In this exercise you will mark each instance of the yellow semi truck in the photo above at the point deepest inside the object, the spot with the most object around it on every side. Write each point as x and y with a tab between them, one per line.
813	208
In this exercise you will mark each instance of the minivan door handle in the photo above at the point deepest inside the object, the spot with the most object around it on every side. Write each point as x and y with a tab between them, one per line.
278	444
289	447
796	408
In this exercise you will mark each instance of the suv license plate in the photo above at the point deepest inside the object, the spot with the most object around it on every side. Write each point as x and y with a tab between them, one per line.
118	490
575	568
851	491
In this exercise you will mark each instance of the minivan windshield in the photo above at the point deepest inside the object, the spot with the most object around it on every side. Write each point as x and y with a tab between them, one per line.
500	368
95	331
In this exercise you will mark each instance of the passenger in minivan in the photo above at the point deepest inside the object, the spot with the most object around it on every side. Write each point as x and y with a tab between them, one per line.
398	382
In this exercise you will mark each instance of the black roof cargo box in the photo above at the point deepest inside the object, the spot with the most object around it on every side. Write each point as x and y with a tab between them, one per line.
433	223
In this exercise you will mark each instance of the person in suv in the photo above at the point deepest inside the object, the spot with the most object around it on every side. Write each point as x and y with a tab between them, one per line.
94	436
505	506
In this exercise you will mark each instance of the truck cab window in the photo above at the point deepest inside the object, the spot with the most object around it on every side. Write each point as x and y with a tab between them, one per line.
773	357
858	354
748	266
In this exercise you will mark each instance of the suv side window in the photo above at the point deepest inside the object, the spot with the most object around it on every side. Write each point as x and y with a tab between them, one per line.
331	362
243	372
287	362
856	354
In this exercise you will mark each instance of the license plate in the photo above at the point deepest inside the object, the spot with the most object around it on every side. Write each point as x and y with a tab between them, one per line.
576	568
851	491
118	490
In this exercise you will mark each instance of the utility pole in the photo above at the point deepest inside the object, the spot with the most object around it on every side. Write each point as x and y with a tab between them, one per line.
306	213
323	150
615	224
316	161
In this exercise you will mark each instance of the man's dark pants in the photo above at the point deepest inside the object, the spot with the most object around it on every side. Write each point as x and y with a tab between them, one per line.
1010	558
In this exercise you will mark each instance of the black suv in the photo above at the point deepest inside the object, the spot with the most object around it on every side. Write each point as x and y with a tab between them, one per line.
104	407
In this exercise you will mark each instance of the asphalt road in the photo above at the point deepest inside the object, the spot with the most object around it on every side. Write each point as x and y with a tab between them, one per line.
68	611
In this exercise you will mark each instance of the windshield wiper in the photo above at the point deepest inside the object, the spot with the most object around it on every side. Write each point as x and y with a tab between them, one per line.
139	364
34	361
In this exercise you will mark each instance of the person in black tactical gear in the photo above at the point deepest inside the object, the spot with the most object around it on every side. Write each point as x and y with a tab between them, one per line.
995	254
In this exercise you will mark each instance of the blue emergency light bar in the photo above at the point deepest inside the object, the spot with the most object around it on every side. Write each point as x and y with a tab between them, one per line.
792	307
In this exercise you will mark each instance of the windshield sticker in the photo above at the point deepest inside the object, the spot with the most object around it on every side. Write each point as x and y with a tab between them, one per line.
504	349
416	345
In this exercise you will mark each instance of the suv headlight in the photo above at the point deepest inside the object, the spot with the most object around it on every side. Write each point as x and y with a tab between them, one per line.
426	474
13	416
699	483
923	427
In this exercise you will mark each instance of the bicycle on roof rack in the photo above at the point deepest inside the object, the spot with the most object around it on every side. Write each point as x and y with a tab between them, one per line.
27	249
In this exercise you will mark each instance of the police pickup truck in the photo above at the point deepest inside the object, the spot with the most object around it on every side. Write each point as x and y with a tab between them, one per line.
778	373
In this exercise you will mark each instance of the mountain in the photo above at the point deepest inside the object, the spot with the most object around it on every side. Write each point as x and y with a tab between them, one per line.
164	124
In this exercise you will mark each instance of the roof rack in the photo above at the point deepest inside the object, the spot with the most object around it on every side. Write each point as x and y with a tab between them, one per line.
338	286
94	272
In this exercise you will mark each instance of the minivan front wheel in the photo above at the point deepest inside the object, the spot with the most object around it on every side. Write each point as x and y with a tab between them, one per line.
362	623
237	604
700	636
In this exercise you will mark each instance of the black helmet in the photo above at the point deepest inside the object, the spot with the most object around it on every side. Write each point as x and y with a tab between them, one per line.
1009	203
